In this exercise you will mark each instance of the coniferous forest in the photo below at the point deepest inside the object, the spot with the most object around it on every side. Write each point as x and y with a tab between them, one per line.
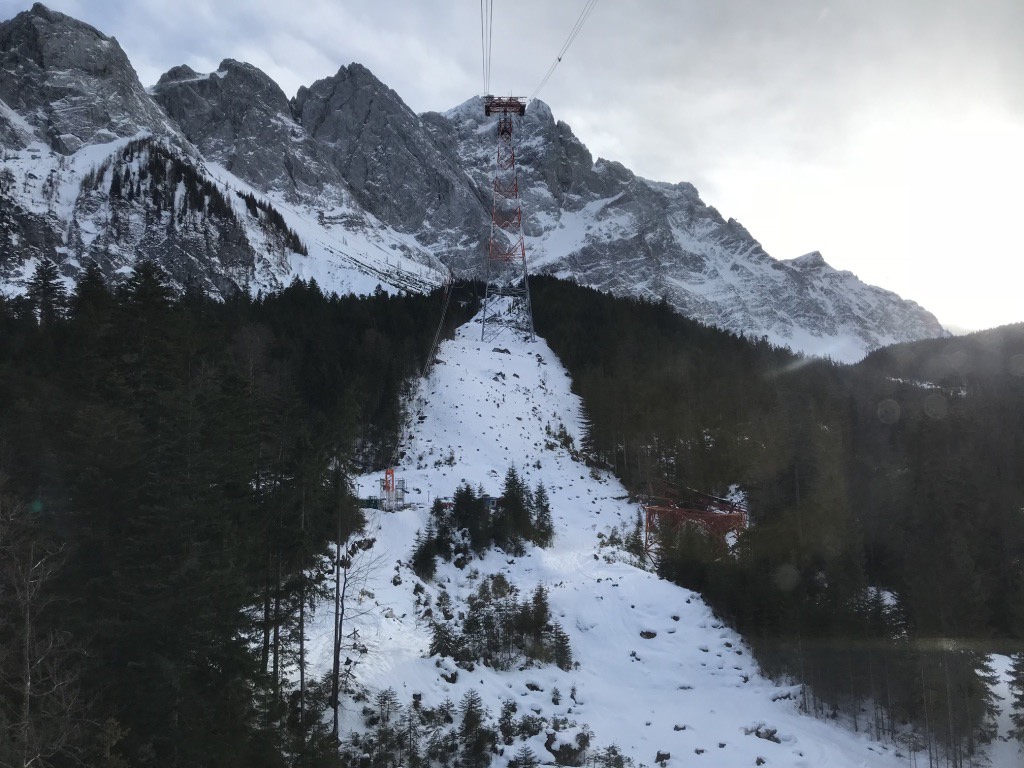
174	473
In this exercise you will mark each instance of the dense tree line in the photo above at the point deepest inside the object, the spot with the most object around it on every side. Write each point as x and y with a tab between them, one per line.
147	171
176	468
886	499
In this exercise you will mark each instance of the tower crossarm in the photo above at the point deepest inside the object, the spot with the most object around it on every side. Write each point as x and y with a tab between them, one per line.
504	105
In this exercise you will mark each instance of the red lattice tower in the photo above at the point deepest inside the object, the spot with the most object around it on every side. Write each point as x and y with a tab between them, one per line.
715	517
507	298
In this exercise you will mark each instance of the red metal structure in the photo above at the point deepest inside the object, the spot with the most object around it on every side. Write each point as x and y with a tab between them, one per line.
507	299
504	105
673	506
392	491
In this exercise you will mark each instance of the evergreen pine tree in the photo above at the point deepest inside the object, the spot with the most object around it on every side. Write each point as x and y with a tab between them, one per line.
635	539
91	297
424	562
543	526
507	722
469	513
478	741
1017	694
563	647
524	758
47	293
540	613
115	184
512	522
443	640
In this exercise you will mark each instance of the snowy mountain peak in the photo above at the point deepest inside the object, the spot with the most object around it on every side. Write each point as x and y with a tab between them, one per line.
71	82
179	74
470	109
346	160
41	11
812	260
540	110
354	81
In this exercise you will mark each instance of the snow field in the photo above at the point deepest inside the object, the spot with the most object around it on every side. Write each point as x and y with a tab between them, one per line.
657	672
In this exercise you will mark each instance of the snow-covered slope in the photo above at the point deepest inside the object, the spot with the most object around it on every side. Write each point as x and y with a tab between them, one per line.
59	213
72	189
687	686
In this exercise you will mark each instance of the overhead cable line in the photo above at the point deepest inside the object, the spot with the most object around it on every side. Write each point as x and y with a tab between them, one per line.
446	299
587	9
486	35
449	286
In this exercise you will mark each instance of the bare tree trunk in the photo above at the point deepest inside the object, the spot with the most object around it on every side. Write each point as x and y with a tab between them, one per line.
265	657
26	686
277	631
339	617
302	633
927	724
43	675
278	557
953	747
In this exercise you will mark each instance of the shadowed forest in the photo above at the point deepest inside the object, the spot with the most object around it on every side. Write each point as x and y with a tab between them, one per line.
885	556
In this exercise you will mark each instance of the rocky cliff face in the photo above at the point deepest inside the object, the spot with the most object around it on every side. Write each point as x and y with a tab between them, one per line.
240	118
396	167
71	83
194	176
346	184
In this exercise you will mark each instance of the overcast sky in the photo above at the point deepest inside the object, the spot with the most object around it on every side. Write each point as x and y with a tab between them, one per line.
887	134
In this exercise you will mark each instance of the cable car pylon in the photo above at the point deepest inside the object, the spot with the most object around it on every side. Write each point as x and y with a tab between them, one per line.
507	297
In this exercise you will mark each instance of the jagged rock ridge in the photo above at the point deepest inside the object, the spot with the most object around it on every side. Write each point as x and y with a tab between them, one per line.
374	194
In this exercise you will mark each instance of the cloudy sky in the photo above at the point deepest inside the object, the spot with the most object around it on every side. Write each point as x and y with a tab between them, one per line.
888	134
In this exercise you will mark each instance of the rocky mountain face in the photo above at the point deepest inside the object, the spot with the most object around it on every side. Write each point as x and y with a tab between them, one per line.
239	118
604	226
198	176
396	167
95	169
356	190
71	83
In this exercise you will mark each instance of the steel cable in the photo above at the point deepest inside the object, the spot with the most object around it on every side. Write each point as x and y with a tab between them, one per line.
587	9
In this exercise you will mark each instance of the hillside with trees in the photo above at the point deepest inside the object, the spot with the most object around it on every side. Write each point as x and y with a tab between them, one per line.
174	472
886	502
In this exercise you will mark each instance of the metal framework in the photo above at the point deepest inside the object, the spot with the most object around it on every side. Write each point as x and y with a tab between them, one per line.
507	297
392	491
716	517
